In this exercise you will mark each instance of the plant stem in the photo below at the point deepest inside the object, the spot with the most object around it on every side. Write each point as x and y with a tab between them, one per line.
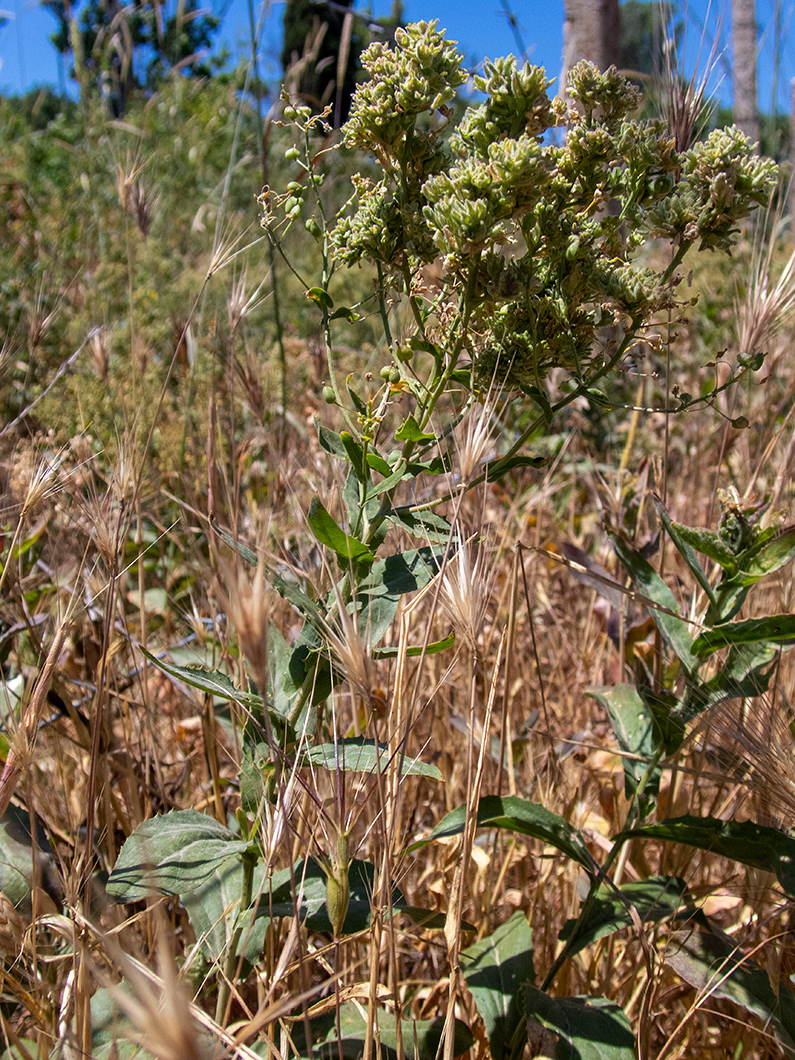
243	923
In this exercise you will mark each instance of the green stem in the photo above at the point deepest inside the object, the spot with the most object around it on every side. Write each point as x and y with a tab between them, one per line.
243	924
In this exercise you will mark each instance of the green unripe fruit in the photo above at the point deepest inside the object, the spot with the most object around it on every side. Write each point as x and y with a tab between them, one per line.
290	113
294	186
394	375
329	396
312	227
292	153
385	372
404	353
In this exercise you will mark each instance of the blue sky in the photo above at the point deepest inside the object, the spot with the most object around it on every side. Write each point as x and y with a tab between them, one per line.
480	26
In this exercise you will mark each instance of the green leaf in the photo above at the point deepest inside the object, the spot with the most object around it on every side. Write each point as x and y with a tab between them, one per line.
684	547
16	856
666	709
400	573
330	441
377	463
707	542
423	524
495	469
418	649
410	431
587	1028
212	682
637	733
542	400
675	630
287	590
242	550
329	534
437	465
420	1039
730	597
357	755
772	629
756	845
355	454
171	855
388	580
518	815
747	672
213	909
654	899
320	297
712	962
766	558
113	1034
359	404
345	313
429	918
494	968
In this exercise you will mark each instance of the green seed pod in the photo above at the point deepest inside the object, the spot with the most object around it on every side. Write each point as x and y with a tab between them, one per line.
313	228
329	396
337	886
294	186
292	153
385	373
290	113
394	375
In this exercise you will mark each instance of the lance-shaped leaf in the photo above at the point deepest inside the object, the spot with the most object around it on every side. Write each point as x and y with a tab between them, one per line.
637	732
289	591
590	1028
357	755
419	1039
171	855
654	899
675	630
756	845
326	531
518	815
772	629
712	963
212	682
767	557
432	648
678	534
423	524
747	672
494	969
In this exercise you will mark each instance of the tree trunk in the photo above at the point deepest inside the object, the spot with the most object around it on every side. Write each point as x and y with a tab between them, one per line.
591	31
746	108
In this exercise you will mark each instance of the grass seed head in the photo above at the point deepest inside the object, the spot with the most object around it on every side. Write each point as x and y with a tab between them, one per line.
248	602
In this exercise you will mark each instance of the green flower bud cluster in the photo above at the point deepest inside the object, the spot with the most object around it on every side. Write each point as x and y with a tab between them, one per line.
537	237
517	104
723	180
606	95
421	76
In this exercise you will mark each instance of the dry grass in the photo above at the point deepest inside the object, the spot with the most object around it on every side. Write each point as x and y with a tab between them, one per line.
107	550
